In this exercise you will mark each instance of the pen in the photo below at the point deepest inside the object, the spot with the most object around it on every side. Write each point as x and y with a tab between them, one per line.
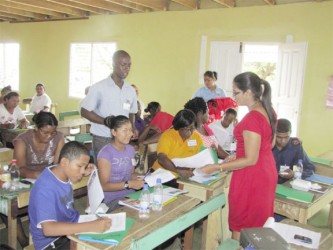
147	173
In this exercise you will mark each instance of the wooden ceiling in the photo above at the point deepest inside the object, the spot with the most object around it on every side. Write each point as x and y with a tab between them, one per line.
15	11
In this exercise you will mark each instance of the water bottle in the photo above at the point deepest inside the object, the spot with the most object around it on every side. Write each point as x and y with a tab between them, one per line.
14	175
5	177
299	169
144	203
158	195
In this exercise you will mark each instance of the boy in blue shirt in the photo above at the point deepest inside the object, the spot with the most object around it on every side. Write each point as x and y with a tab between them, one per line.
51	212
287	151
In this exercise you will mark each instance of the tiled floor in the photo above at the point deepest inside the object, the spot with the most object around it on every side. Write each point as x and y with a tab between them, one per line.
318	220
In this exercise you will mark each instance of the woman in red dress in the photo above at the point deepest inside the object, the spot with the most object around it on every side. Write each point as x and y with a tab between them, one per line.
254	178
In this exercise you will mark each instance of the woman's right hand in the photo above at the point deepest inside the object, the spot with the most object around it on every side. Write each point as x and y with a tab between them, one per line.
230	158
102	224
136	184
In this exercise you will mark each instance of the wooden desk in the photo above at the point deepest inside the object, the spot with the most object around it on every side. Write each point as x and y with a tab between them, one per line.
15	204
161	226
212	233
326	239
302	211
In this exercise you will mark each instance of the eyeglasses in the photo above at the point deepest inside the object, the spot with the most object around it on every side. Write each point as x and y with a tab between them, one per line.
46	133
190	128
234	93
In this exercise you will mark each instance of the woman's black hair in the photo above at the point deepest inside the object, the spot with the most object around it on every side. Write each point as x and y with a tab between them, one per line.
10	95
261	90
152	106
196	105
183	118
114	122
211	74
44	119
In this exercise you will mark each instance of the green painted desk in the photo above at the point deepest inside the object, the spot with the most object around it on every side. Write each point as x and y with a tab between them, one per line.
215	227
161	226
302	211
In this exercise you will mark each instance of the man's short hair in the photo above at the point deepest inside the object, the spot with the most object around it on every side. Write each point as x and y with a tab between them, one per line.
40	85
118	54
231	111
72	150
283	126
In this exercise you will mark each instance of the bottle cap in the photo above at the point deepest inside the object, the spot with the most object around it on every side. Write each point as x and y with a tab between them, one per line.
145	187
158	180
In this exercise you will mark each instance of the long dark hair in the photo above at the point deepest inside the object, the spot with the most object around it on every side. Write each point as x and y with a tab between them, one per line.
261	90
45	118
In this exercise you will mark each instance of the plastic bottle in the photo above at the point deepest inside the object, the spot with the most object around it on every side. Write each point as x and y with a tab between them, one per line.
5	177
299	169
14	175
144	203
158	195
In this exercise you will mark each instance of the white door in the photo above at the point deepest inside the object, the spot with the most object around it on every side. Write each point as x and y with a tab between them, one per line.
287	97
226	59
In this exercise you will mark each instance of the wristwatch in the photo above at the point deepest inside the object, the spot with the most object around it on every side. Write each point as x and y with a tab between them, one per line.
126	185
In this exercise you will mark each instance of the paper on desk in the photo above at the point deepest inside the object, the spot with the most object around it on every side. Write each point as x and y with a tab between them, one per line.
95	192
288	232
118	222
196	161
165	176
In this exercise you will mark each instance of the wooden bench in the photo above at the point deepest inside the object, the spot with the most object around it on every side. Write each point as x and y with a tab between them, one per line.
65	126
63	115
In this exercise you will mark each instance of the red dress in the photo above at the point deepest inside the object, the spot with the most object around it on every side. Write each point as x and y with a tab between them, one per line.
252	189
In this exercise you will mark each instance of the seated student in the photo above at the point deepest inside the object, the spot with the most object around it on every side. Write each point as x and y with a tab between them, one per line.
116	162
5	91
40	147
178	142
159	122
40	101
51	212
139	122
224	129
199	107
287	151
11	114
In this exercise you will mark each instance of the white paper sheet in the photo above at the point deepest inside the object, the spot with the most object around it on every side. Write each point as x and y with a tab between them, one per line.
118	222
196	161
165	176
95	192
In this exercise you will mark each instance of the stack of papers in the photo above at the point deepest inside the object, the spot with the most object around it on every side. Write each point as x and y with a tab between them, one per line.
196	161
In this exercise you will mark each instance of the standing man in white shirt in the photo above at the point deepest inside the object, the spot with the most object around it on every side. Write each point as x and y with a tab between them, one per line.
110	97
224	130
40	101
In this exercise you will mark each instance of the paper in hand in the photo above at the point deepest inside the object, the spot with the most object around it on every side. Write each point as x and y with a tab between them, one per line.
95	192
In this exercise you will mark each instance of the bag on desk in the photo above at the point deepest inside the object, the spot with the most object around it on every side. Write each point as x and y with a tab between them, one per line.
262	239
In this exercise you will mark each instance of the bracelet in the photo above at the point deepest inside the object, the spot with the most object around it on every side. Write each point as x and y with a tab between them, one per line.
221	169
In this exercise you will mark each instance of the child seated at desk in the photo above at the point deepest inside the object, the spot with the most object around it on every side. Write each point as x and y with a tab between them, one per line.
51	212
116	162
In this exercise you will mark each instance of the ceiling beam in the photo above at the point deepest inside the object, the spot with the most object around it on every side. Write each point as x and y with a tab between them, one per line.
193	4
104	5
22	13
13	16
53	6
270	2
48	20
133	6
20	6
156	4
226	3
84	7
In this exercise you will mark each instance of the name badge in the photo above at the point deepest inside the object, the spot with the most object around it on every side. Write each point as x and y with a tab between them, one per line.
192	143
126	106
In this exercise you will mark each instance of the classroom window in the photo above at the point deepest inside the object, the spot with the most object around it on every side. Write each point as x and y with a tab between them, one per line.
89	63
9	65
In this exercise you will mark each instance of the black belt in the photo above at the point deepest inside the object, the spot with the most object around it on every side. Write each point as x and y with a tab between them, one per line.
61	243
